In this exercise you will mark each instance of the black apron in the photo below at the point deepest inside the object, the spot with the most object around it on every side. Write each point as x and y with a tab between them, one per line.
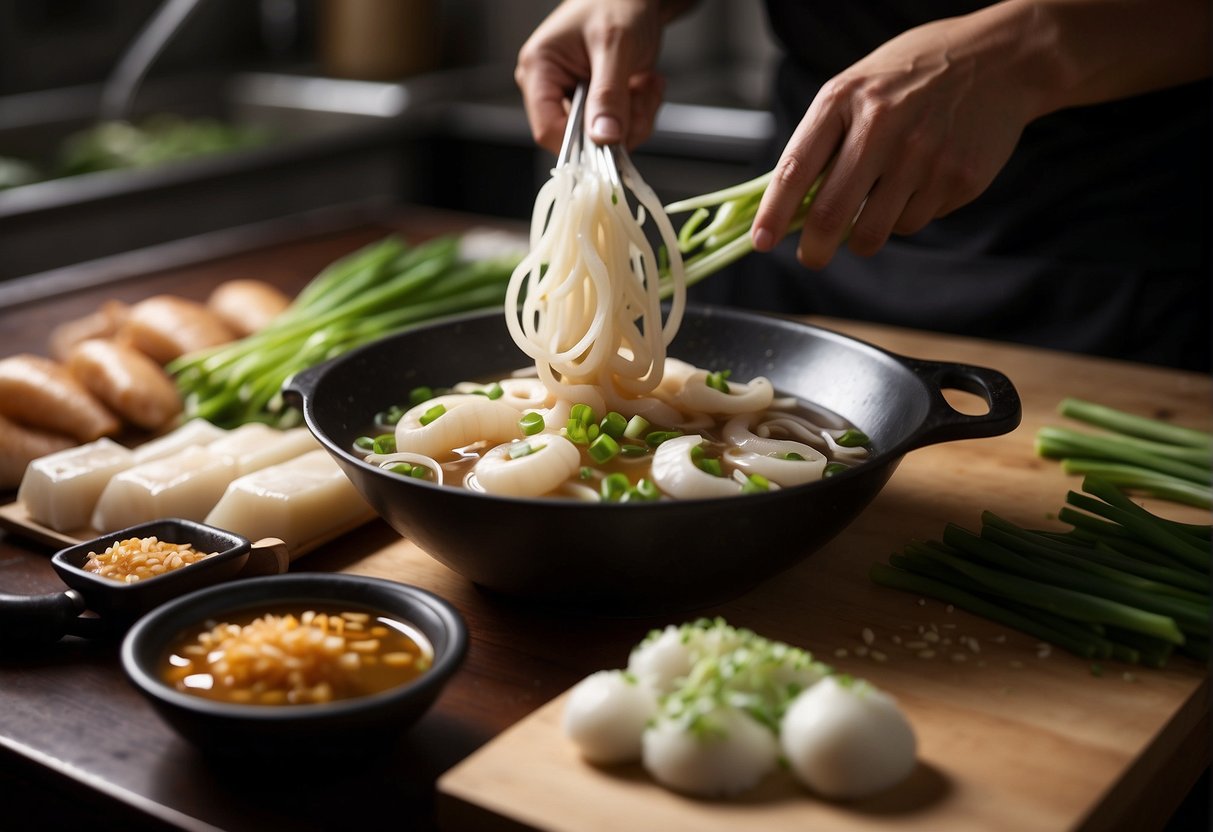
1094	238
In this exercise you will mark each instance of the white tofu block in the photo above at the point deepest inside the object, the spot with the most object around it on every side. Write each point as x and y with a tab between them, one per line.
297	501
193	432
255	446
185	484
60	490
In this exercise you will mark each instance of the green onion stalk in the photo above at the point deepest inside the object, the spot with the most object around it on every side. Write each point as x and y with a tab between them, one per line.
1121	583
385	287
1139	454
717	233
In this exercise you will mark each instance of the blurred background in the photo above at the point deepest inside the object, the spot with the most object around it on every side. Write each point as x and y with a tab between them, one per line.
134	124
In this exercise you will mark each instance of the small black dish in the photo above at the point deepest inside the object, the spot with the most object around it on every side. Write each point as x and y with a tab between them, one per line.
264	732
116	605
108	597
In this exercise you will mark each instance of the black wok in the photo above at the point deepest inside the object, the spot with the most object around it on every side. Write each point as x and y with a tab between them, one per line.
645	558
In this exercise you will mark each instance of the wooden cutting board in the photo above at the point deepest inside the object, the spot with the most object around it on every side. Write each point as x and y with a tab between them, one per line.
1015	736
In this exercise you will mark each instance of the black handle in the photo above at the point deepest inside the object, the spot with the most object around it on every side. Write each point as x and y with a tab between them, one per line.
38	619
300	387
944	423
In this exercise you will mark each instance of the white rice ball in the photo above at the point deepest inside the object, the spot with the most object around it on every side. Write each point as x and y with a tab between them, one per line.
847	740
661	659
732	757
605	715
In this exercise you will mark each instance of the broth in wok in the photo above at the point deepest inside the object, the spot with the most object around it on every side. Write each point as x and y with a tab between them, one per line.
512	438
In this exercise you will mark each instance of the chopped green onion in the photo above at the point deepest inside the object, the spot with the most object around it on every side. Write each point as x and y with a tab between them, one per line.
432	414
658	436
494	392
402	468
637	427
390	416
755	484
580	427
603	449
710	466
531	423
706	463
792	456
420	394
385	443
834	468
613	424
633	450
853	438
614	486
364	443
645	490
420	472
586	472
719	380
520	449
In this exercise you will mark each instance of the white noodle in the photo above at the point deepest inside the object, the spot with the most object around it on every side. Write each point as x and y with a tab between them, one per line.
585	303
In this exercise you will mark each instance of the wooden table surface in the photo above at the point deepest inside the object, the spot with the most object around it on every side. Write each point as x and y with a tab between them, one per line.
77	744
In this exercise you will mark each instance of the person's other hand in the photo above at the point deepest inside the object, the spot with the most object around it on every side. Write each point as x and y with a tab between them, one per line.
909	133
611	43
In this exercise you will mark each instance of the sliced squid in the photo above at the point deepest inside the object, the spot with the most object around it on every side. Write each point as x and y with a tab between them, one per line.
766	456
552	460
388	460
675	376
777	469
741	398
520	393
468	418
842	452
676	474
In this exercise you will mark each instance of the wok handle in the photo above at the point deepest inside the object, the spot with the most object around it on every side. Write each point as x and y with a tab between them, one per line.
301	386
38	619
944	423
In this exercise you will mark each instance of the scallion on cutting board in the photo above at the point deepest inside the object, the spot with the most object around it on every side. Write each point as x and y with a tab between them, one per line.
1122	583
1136	453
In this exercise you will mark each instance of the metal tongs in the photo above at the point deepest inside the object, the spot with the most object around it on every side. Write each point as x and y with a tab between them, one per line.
609	156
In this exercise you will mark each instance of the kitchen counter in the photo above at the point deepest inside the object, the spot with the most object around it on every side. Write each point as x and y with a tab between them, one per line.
1115	751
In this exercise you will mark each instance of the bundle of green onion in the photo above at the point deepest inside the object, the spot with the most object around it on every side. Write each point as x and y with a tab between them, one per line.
1121	583
1137	453
718	231
385	287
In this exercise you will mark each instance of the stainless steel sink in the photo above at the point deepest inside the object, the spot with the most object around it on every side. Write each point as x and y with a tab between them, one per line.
333	143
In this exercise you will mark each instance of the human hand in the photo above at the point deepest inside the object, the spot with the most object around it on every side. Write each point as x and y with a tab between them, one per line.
911	132
613	44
